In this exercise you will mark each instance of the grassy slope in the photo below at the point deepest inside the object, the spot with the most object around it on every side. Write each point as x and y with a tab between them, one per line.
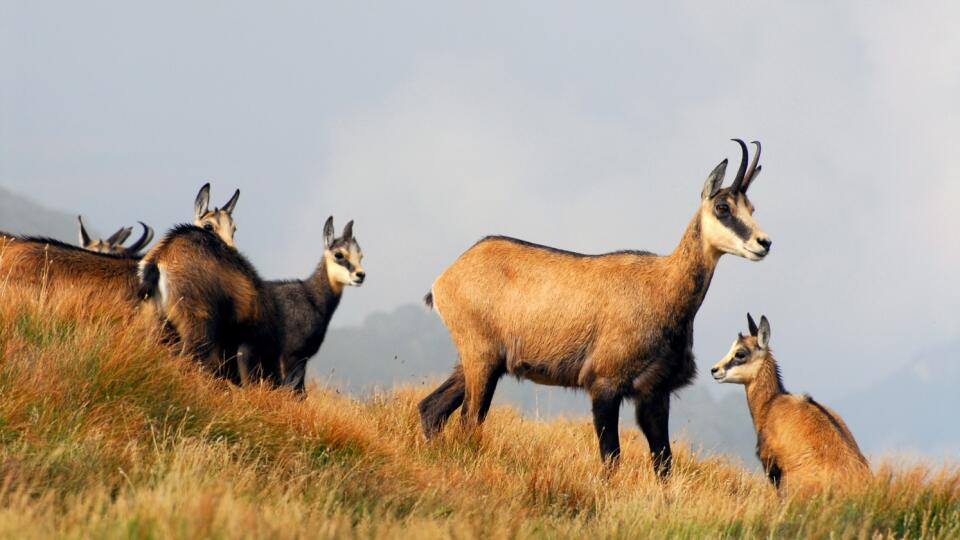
103	433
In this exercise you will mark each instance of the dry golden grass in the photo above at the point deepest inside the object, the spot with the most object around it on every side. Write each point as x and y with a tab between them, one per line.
105	434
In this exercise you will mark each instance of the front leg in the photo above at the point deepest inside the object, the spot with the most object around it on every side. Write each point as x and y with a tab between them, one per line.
653	415
606	420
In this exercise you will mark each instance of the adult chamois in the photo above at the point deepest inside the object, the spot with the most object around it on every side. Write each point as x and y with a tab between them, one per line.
38	261
114	243
801	443
618	325
210	295
308	305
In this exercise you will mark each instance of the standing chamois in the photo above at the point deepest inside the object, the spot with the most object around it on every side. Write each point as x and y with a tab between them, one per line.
308	305
37	261
114	243
800	442
618	325
215	302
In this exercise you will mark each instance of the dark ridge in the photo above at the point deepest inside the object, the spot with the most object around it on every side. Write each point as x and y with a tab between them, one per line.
562	251
63	245
428	300
824	410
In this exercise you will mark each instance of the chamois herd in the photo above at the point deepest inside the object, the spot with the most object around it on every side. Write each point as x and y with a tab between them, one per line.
617	325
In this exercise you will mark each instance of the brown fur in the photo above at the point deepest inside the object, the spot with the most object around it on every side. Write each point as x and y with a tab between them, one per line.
617	325
802	444
215	302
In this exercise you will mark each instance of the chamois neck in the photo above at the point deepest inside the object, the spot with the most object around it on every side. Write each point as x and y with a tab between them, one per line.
763	388
323	287
691	265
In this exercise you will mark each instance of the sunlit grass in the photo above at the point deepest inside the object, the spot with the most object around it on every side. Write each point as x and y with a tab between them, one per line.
105	433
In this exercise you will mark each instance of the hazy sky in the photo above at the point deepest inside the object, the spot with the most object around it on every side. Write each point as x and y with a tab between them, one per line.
590	127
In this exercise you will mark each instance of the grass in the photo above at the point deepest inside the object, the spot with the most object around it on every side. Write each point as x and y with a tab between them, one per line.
106	434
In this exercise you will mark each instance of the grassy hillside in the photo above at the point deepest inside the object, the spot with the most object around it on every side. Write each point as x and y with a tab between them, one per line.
105	434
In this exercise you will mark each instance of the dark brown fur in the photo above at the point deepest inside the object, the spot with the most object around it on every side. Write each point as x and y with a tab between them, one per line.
216	302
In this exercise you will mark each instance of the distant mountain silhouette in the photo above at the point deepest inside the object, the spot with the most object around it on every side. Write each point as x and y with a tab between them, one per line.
20	215
410	345
913	410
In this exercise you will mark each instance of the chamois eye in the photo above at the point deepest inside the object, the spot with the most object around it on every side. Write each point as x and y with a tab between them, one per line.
208	226
338	255
741	354
723	208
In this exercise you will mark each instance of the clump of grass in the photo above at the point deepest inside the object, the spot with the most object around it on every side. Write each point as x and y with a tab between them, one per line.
104	432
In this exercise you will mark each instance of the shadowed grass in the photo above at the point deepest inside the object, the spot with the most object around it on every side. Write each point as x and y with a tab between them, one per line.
104	433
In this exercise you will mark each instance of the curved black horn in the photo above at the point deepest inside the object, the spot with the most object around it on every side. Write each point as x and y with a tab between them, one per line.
738	181
753	169
144	239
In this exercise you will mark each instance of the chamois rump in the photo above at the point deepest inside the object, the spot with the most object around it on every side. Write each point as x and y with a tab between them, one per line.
618	325
210	295
308	305
800	443
38	261
114	243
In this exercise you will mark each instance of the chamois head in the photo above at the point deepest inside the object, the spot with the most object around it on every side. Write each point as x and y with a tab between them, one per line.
219	220
726	214
342	256
746	356
114	244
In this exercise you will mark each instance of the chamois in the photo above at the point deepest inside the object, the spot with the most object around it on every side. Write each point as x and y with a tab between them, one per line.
308	305
618	325
216	302
800	442
37	261
114	243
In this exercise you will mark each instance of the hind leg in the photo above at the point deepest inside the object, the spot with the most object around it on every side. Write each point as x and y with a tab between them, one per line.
481	374
436	408
653	415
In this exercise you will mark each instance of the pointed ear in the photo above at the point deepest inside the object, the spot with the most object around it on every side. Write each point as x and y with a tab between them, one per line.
232	203
751	325
328	233
348	230
84	237
202	203
714	181
763	335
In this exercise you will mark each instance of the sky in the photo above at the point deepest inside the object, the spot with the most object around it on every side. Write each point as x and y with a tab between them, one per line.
586	126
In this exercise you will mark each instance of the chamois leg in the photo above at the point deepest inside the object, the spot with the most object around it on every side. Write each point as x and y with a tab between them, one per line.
436	408
481	376
606	420
246	364
653	415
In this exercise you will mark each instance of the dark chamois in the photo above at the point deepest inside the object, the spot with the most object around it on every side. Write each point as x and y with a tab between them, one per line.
114	243
801	443
213	298
618	325
308	305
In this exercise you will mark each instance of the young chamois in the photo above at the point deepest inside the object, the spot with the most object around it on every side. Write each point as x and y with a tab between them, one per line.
215	302
114	243
618	325
800	442
308	305
37	261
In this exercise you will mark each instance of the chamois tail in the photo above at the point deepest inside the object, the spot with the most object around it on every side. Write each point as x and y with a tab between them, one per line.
149	280
428	300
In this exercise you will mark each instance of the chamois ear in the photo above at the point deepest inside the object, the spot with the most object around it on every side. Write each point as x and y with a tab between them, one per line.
84	237
348	231
232	203
328	233
202	203
714	181
763	335
751	325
